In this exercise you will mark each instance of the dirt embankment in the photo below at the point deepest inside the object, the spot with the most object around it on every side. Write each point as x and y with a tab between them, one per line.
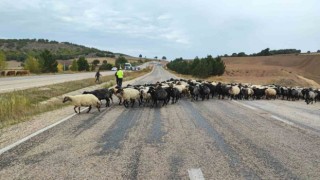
290	70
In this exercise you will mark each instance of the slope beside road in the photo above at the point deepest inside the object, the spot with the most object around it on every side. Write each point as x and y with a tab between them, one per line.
216	139
17	83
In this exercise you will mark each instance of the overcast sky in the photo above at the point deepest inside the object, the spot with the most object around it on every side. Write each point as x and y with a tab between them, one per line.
171	28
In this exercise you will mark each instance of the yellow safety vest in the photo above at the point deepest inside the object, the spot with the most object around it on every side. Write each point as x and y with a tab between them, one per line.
120	74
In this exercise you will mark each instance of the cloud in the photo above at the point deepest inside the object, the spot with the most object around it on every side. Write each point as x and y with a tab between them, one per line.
174	28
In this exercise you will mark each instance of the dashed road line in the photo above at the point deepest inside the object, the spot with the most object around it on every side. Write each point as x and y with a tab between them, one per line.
283	120
272	116
195	174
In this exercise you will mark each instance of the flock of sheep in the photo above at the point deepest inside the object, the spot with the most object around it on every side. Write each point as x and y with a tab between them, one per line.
174	89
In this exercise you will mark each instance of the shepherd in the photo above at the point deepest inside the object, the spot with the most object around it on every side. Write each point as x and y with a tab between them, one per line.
98	76
119	77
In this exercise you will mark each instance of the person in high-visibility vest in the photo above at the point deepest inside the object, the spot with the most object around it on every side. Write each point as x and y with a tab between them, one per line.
120	77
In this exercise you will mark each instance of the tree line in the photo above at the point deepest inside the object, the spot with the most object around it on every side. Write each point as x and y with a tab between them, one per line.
46	63
266	52
202	68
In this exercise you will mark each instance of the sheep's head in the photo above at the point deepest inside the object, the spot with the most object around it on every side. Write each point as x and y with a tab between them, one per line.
66	99
85	92
119	91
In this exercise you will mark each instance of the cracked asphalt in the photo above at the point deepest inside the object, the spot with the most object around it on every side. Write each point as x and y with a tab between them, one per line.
225	139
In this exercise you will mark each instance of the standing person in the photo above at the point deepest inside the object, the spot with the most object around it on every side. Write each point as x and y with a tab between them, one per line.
117	80
120	77
98	76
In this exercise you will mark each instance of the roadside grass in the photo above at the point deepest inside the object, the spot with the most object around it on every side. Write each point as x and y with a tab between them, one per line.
21	105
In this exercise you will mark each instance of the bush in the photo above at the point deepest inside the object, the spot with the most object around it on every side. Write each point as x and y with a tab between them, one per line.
32	64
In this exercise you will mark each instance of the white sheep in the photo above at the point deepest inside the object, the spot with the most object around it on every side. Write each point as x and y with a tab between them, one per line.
114	90
270	93
144	95
86	100
234	91
129	94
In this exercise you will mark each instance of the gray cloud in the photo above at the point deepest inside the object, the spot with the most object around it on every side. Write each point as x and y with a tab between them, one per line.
171	28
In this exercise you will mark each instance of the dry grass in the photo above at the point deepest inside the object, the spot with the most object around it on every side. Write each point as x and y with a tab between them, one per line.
286	70
19	106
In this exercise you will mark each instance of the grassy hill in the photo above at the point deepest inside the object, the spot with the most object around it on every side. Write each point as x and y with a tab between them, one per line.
17	49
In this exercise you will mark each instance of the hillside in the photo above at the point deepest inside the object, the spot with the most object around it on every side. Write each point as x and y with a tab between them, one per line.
291	70
17	49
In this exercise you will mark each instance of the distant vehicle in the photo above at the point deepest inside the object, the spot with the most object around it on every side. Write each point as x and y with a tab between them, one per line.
127	66
114	69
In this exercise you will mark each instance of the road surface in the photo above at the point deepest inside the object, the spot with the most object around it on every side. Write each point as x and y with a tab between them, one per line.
17	83
211	139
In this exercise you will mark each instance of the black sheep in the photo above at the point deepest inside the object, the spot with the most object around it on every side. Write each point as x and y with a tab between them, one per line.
101	94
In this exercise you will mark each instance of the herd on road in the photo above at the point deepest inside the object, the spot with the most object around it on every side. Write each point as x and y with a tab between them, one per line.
175	89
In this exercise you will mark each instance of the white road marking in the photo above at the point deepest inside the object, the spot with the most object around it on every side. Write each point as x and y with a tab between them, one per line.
195	174
272	116
283	120
7	148
250	107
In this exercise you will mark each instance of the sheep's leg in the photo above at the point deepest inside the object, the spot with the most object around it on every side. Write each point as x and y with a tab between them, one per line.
75	109
132	102
89	109
107	102
79	109
126	103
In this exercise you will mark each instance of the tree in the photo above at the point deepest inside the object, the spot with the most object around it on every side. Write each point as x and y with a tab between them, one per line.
120	61
105	66
265	52
164	58
74	66
48	63
94	64
308	52
83	64
32	64
318	51
156	57
140	56
3	63
241	54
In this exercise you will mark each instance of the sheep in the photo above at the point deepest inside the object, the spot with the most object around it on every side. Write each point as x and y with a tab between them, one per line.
247	93
102	94
204	91
258	93
234	91
270	93
310	96
83	100
222	90
113	91
144	95
158	94
129	94
174	93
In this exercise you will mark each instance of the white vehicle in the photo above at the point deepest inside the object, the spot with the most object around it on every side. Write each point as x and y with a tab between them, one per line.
114	69
127	66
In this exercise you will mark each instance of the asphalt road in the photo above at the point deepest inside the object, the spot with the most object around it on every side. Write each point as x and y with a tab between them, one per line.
17	83
216	139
